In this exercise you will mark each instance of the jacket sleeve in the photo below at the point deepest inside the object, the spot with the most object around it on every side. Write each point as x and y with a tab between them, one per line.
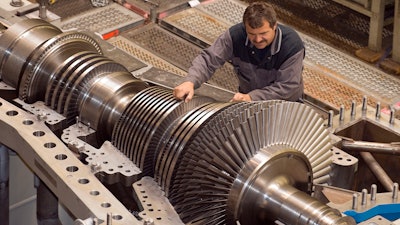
289	82
210	59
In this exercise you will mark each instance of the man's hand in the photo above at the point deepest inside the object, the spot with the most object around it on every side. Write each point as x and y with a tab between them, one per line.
239	97
184	91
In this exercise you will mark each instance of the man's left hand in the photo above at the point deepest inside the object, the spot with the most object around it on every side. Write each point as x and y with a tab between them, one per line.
239	97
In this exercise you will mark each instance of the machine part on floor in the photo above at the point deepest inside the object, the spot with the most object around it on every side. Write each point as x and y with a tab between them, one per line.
369	127
192	150
366	207
373	147
343	165
379	172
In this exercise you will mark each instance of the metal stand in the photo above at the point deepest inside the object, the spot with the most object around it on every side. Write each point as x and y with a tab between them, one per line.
4	189
46	205
396	32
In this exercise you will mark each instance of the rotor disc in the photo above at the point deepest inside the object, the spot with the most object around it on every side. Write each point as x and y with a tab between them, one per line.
213	161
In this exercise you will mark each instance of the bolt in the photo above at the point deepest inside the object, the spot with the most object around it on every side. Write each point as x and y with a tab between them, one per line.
353	108
41	116
364	193
148	221
395	191
109	219
392	116
16	3
378	110
95	167
330	118
341	113
364	103
355	201
374	190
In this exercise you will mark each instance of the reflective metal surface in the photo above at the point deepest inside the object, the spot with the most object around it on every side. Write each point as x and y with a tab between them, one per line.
209	161
16	52
171	140
58	167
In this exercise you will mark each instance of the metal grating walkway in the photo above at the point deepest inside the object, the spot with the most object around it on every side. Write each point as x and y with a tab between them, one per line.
103	20
145	55
330	75
178	52
363	77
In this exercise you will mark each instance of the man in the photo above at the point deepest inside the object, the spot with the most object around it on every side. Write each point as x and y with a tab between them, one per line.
267	57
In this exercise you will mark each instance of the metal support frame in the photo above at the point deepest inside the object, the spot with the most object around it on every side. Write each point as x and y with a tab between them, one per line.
396	32
4	188
376	13
72	182
376	25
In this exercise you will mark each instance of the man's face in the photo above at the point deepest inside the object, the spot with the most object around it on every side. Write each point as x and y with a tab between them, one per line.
261	37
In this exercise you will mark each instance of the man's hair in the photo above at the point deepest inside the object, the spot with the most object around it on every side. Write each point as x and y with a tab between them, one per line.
256	12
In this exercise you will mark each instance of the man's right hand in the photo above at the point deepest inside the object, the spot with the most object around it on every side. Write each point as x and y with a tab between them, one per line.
184	91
